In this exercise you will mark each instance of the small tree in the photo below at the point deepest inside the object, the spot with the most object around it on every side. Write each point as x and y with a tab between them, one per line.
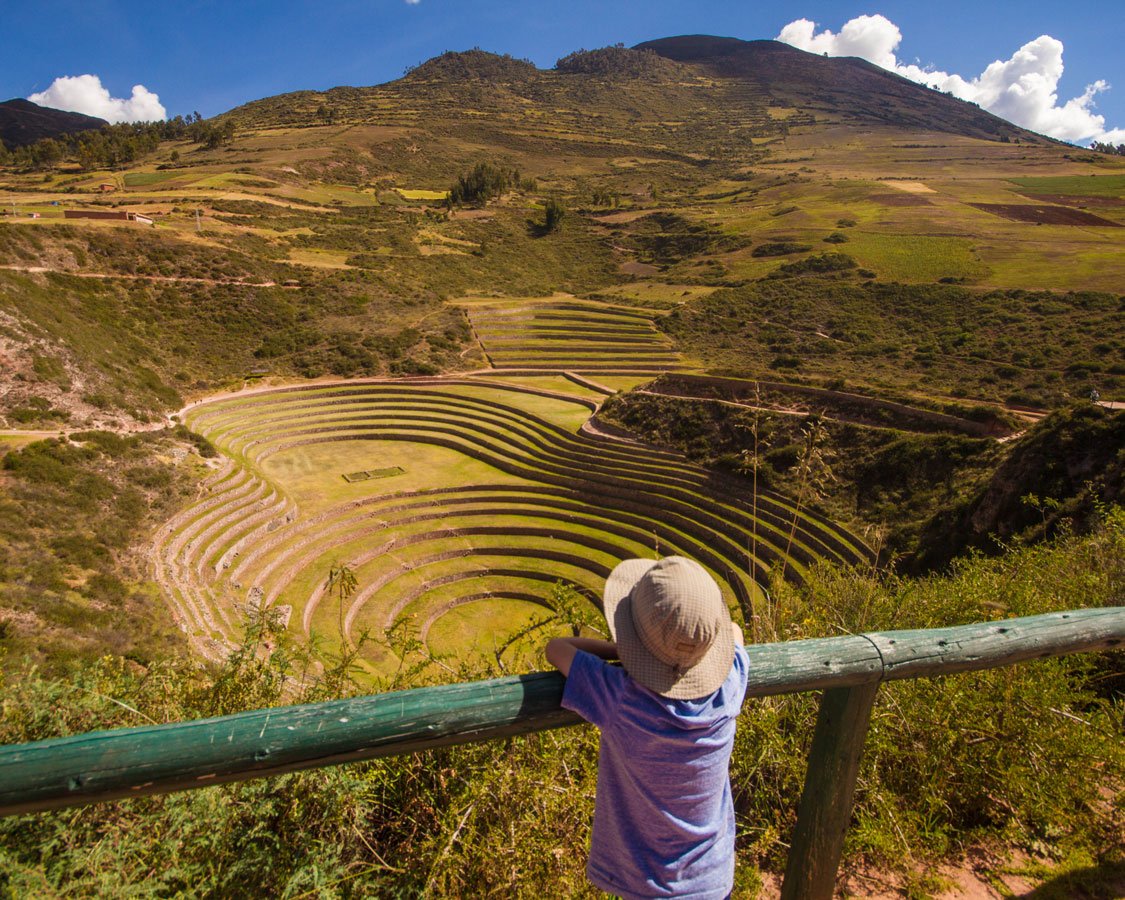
553	214
484	183
342	582
813	471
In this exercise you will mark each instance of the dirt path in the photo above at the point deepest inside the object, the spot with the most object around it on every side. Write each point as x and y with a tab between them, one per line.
38	270
785	411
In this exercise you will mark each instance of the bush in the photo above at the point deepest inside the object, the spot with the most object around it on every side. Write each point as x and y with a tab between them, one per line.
825	262
553	213
203	446
986	756
779	248
482	184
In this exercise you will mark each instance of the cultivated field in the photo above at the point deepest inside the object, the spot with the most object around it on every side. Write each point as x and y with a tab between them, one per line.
460	505
562	333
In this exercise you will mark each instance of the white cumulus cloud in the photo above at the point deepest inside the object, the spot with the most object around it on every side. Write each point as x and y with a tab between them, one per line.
85	94
1022	89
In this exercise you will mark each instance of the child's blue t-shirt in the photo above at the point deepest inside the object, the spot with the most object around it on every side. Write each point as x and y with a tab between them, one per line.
663	814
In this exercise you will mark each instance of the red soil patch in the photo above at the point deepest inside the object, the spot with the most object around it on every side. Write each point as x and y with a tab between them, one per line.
1045	214
1079	201
621	217
637	268
900	198
478	214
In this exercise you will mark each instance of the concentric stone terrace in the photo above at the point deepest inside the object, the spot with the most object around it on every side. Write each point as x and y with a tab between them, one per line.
570	334
458	504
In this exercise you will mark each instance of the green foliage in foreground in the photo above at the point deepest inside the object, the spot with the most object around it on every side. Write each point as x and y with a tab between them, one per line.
950	762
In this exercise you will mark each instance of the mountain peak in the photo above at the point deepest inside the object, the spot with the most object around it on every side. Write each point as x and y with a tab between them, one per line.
473	65
620	62
696	47
843	89
23	122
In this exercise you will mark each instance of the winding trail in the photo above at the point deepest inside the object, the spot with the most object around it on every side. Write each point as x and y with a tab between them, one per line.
38	270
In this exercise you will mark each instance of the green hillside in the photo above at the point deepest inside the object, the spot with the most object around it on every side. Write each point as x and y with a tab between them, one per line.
354	389
715	208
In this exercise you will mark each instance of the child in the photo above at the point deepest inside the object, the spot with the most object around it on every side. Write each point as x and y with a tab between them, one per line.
663	815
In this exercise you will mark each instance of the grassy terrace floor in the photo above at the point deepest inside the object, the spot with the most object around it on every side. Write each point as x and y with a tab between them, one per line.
500	497
563	333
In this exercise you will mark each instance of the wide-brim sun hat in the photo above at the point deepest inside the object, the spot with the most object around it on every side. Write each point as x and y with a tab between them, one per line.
671	625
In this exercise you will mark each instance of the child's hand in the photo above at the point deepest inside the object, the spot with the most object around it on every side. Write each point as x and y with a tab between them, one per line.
560	651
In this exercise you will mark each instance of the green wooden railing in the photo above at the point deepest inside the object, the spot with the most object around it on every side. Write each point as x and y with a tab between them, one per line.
129	762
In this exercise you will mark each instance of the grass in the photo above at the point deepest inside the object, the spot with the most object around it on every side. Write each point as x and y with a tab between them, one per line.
907	257
144	179
949	762
1112	186
481	627
253	430
696	184
556	383
311	474
925	340
73	585
142	343
568	334
420	194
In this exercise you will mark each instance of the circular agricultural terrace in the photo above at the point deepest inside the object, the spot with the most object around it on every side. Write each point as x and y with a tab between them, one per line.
458	503
573	335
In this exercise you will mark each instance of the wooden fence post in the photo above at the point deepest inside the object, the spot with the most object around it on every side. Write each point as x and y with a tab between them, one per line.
826	801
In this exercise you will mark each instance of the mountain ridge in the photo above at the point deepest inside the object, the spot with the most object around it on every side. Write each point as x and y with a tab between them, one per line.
837	85
702	78
23	122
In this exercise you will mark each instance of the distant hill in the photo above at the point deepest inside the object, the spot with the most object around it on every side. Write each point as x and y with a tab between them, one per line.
677	88
844	89
23	122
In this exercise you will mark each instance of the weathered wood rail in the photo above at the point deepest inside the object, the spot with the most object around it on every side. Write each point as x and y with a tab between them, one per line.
130	762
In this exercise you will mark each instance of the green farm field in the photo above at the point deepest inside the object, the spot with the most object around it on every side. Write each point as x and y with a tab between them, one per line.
1111	187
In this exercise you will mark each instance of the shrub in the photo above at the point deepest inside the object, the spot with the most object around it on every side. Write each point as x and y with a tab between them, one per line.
203	446
782	459
825	262
779	248
553	213
482	184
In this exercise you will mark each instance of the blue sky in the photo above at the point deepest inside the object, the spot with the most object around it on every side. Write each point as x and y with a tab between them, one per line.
210	56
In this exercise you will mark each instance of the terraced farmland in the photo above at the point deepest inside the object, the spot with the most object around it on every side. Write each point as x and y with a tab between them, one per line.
489	494
571	334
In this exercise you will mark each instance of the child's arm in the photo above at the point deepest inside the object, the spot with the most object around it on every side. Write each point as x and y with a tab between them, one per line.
737	634
560	651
